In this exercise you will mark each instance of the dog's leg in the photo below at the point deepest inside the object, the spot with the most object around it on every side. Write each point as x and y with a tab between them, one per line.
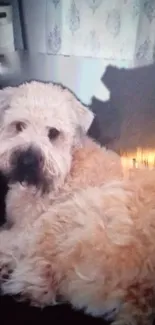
26	281
136	312
129	319
23	272
7	254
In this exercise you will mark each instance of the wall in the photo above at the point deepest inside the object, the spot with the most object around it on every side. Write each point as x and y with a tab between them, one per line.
16	23
81	75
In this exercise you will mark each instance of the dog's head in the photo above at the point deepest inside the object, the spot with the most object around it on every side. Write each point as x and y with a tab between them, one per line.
40	124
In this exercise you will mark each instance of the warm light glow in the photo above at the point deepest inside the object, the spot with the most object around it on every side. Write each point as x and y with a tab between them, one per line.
141	158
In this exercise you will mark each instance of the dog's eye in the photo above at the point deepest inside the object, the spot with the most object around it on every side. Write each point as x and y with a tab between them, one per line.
20	126
53	133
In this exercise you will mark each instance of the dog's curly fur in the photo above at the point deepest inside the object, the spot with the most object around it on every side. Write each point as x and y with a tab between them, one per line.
88	235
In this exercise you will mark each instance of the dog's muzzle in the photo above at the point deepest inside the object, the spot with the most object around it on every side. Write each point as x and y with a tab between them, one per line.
27	166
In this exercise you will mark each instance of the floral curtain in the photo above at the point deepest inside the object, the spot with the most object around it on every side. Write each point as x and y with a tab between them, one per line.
107	29
145	44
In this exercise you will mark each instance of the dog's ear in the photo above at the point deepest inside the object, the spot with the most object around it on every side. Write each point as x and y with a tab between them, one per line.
5	98
84	115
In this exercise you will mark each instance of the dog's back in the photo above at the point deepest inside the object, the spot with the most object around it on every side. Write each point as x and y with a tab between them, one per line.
93	165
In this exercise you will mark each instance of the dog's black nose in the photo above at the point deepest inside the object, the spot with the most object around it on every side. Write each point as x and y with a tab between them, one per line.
31	159
27	159
27	166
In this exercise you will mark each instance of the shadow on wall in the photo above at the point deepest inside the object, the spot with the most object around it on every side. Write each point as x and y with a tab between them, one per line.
127	120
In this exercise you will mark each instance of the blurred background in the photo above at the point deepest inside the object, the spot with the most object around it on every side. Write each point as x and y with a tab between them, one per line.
102	50
75	40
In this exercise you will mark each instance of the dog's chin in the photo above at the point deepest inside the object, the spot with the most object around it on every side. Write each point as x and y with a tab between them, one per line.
29	179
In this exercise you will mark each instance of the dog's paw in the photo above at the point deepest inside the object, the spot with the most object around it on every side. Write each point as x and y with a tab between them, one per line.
25	282
6	268
131	321
110	315
5	272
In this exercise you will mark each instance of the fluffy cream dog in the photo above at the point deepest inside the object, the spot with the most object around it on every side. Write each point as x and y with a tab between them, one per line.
76	231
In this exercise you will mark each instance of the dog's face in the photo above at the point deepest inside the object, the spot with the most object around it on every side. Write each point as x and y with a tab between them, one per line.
40	126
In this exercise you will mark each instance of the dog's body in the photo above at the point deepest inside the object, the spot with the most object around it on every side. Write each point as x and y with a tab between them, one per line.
76	231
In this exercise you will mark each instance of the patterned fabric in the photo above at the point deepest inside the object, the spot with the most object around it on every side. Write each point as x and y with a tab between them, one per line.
55	2
145	45
54	40
111	30
73	17
94	4
149	9
113	22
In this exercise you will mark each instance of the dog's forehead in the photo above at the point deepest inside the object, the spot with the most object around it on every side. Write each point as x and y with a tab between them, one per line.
44	102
